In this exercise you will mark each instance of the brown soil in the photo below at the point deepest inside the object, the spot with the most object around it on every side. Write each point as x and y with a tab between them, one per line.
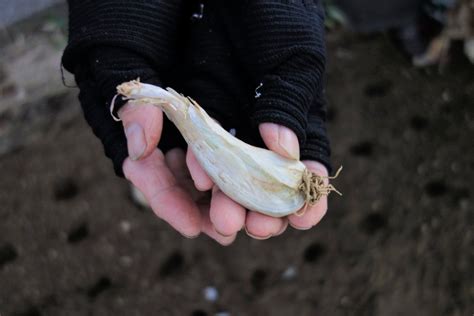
399	242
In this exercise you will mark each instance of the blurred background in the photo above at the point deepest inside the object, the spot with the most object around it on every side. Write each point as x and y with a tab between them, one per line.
400	89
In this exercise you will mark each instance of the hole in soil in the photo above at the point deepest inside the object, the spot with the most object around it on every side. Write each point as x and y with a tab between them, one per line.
373	223
257	280
198	312
314	252
29	311
378	89
99	287
56	102
418	123
78	233
362	149
5	118
8	254
8	90
172	265
436	188
65	189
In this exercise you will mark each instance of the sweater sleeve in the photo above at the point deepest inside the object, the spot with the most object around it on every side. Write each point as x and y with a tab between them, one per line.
317	145
144	28
112	41
285	52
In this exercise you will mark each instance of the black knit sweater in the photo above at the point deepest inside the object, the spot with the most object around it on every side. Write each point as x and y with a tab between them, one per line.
217	52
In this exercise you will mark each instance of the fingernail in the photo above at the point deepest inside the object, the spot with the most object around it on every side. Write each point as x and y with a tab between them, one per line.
299	227
223	235
227	243
256	237
289	143
136	141
190	237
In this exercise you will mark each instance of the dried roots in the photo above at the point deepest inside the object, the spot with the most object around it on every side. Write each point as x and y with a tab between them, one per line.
314	187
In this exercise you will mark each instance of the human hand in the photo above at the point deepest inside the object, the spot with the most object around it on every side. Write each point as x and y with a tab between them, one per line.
164	179
228	217
146	168
175	184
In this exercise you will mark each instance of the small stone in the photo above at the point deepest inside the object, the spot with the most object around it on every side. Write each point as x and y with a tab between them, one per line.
344	54
119	301
446	96
138	197
345	301
126	261
376	205
211	294
53	254
125	226
421	169
465	204
289	273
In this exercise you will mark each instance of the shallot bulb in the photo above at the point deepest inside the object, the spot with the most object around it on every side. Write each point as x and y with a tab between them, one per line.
257	178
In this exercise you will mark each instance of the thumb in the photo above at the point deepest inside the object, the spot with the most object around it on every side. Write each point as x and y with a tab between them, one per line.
143	124
280	139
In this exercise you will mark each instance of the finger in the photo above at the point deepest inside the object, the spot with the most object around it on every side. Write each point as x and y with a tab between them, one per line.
200	177
260	226
315	213
176	161
143	124
312	216
227	216
208	228
167	199
280	139
283	228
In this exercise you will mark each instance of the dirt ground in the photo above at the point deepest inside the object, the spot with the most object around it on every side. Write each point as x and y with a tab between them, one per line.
399	242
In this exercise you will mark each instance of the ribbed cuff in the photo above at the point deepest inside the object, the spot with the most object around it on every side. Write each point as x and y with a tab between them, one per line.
148	28
112	66
103	126
317	145
97	77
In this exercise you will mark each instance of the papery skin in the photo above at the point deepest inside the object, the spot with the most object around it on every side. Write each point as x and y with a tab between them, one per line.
257	178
